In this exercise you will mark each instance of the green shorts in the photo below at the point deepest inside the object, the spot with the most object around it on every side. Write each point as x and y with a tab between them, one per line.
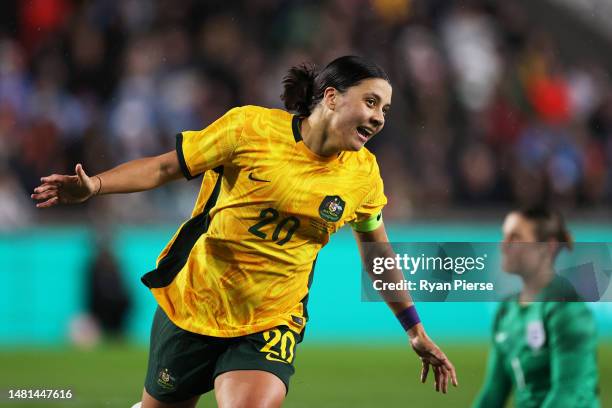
184	364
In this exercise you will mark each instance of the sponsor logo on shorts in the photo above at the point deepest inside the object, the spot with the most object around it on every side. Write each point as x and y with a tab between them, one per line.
166	380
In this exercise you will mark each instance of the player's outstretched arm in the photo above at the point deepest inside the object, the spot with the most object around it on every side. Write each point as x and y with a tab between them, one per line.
431	356
137	175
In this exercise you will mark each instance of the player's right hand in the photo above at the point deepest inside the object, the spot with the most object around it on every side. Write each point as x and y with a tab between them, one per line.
64	189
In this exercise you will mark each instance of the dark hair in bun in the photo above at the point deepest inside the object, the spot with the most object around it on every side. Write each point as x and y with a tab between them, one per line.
304	86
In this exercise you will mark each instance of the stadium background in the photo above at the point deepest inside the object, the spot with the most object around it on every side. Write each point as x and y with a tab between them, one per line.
496	104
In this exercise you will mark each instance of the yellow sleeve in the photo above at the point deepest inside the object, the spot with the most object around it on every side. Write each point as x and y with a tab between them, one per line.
368	215
213	146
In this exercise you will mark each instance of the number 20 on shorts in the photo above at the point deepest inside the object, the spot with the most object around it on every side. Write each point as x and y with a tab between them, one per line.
284	353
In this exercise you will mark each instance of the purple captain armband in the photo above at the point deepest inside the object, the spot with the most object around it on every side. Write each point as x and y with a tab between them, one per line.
408	318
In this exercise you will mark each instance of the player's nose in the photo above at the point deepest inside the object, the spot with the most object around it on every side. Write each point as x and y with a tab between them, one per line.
377	120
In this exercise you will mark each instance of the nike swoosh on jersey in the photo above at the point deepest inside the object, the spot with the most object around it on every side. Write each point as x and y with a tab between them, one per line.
501	337
252	177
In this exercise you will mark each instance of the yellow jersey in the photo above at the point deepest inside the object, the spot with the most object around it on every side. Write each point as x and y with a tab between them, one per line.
244	261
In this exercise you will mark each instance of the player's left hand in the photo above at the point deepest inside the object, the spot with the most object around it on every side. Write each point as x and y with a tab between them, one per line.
431	355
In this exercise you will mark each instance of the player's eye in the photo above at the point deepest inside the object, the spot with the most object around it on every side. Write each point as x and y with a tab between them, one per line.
371	102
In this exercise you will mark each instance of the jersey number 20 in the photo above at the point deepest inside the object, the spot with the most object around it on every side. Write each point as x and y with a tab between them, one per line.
269	216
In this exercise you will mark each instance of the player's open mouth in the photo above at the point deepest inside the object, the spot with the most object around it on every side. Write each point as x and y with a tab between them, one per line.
364	133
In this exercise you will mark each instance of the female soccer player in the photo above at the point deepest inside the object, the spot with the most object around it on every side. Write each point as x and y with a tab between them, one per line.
544	343
233	283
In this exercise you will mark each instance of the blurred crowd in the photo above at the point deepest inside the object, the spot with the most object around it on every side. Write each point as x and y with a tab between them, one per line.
485	110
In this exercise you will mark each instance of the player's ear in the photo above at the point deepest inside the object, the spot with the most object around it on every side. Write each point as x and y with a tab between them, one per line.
329	97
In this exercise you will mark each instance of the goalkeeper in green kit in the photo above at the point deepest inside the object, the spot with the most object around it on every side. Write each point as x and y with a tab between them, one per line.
544	339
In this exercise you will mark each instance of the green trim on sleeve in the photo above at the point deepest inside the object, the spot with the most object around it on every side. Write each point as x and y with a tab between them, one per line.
368	225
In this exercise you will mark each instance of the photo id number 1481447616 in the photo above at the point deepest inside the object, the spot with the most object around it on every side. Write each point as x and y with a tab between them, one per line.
39	393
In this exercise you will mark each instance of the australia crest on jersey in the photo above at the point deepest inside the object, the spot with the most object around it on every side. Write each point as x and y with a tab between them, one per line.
536	335
331	208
